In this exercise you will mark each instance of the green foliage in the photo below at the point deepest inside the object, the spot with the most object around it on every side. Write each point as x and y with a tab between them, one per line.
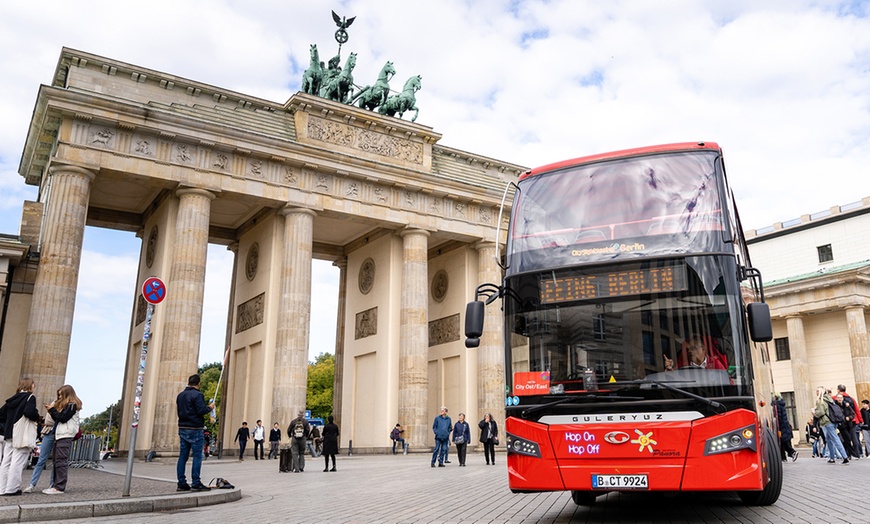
321	374
209	374
98	424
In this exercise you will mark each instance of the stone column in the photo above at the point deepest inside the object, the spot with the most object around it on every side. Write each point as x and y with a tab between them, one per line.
414	338
182	311
290	383
490	353
46	343
804	391
338	380
860	347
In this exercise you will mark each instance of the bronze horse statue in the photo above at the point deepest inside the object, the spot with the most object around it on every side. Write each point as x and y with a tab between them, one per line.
312	76
340	87
404	101
371	97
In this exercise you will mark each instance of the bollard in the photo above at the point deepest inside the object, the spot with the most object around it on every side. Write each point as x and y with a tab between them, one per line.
406	448
349	448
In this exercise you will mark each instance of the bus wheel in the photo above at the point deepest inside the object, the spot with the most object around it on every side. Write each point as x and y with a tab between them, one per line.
771	491
583	498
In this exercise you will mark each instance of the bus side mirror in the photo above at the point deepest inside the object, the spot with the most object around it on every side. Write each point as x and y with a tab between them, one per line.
473	323
760	326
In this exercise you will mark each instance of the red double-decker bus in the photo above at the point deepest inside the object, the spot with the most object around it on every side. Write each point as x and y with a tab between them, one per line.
634	329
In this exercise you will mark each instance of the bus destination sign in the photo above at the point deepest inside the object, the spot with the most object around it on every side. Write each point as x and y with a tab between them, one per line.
613	284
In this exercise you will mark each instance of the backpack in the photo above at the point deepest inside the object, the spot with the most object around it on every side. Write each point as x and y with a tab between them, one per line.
299	429
835	413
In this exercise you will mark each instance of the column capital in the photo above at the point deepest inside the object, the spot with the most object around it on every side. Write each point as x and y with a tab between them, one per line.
194	191
414	231
340	263
234	247
57	169
295	210
485	244
853	307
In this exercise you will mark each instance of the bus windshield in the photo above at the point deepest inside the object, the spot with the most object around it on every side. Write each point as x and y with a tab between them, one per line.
667	203
622	328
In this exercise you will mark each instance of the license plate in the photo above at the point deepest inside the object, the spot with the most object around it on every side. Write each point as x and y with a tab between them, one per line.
620	482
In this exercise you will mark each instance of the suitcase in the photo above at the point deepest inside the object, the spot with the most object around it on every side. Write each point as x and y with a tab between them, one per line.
285	459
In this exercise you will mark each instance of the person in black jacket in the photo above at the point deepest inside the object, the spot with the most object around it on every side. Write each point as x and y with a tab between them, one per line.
785	432
330	442
488	437
65	412
21	404
191	410
242	436
274	440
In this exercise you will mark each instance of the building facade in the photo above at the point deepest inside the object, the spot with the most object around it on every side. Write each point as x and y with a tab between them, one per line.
816	271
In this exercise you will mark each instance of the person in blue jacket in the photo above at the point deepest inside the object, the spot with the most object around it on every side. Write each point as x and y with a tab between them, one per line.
441	426
461	437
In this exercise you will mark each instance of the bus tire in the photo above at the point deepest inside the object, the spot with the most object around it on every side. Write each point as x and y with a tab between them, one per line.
771	491
583	498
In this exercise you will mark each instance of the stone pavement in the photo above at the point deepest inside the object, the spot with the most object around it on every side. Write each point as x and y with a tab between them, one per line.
404	489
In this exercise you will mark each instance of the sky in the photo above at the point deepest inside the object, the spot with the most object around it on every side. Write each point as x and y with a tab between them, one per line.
782	85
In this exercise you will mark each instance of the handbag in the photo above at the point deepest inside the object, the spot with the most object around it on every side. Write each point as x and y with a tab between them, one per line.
459	440
495	440
24	433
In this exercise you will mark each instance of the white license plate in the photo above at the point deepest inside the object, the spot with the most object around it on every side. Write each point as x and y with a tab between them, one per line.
620	482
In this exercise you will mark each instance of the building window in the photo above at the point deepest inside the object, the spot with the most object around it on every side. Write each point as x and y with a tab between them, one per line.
788	397
782	350
826	254
598	327
649	350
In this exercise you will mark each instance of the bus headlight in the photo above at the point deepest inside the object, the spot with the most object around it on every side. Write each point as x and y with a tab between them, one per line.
521	446
743	438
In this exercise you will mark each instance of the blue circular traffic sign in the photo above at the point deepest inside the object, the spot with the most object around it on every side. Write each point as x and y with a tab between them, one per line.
154	290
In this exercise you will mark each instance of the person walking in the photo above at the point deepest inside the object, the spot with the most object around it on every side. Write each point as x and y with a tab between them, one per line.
865	425
259	439
65	412
46	447
298	432
21	405
488	437
441	426
461	437
191	408
330	436
829	428
814	435
274	441
242	436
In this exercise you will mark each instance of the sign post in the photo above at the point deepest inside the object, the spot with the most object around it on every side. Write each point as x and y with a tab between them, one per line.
154	291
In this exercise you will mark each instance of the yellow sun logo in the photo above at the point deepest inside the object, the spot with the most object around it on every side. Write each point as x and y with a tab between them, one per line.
644	440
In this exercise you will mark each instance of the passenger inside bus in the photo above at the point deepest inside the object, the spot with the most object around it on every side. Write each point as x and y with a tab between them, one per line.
698	352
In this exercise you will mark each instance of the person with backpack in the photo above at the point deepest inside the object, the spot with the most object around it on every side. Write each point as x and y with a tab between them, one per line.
298	431
854	423
847	427
396	437
827	411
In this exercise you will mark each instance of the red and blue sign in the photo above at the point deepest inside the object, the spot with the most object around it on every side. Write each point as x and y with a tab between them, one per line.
154	290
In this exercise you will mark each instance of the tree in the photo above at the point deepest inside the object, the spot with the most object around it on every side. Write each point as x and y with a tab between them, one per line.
321	374
209	374
99	424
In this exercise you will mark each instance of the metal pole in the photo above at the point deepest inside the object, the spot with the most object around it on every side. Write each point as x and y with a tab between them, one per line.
140	382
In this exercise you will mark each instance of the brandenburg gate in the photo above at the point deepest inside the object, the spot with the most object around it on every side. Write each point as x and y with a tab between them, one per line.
410	223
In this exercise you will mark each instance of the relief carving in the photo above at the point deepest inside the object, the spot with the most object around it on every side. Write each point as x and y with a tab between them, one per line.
486	215
221	161
250	313
444	330
143	147
366	323
440	284
435	207
352	190
409	198
103	138
252	261
257	168
183	153
366	276
151	247
322	182
365	140
380	196
460	209
290	176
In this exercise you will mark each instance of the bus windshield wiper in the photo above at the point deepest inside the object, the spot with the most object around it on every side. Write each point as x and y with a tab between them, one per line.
541	407
710	402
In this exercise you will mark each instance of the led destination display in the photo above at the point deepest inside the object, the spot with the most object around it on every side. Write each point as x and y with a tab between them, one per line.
613	284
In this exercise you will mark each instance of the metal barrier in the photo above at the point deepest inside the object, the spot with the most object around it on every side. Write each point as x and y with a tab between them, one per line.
85	452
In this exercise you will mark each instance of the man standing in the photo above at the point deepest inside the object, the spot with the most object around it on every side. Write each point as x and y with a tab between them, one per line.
274	440
865	426
441	426
396	437
191	409
242	436
854	424
298	431
259	439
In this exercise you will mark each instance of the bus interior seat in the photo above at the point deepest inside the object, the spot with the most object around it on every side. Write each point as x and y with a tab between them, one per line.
590	235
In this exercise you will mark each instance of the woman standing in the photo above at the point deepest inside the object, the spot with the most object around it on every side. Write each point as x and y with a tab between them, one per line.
45	449
461	437
20	405
330	443
489	437
65	412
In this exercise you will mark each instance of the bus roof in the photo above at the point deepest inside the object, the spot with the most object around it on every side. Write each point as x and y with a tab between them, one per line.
639	151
